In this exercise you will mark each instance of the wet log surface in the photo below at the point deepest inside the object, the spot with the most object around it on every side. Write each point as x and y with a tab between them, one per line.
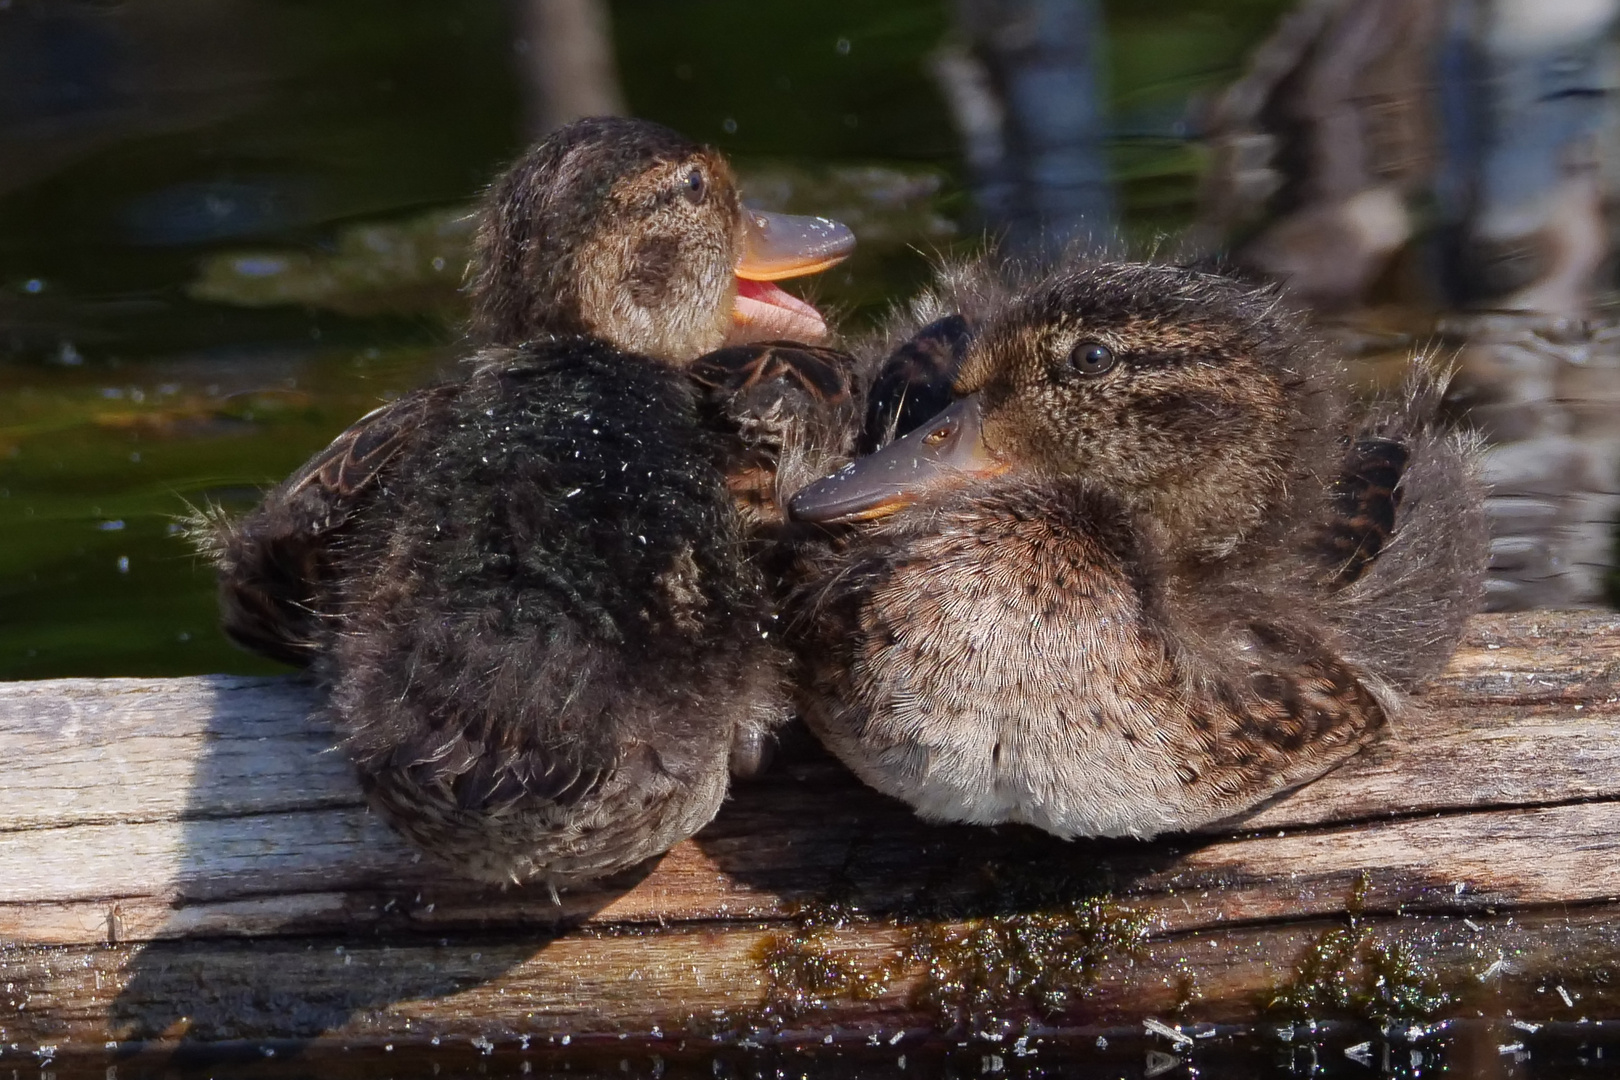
186	862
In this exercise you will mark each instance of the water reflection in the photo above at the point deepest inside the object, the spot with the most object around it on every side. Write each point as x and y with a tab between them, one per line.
1026	93
77	79
1449	154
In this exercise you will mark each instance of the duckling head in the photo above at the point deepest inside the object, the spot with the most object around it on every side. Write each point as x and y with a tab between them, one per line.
1188	396
624	230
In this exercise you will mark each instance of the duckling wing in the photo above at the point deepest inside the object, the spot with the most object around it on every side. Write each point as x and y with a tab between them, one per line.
1406	542
335	478
1365	499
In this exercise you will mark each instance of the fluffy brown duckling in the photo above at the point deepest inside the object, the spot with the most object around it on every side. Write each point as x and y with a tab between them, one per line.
596	231
531	591
1109	594
1402	616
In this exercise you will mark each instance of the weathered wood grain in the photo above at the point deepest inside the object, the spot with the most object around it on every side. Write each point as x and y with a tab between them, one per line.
694	984
188	859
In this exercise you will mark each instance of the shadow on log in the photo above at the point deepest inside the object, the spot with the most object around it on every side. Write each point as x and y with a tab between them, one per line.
184	863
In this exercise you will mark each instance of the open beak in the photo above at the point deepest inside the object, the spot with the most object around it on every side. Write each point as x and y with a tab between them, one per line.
775	247
778	246
943	452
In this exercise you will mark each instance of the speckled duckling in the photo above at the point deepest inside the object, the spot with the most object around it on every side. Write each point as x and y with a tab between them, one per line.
1136	578
530	590
614	229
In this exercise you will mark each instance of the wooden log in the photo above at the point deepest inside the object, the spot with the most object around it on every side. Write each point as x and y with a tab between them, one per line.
187	861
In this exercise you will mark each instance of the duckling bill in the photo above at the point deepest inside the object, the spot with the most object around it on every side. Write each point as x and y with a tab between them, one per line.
1094	595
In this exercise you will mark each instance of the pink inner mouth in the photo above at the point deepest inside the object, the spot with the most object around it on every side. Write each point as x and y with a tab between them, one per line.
764	312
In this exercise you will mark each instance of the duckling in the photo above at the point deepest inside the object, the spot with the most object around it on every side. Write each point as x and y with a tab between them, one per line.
585	235
1101	598
552	640
530	591
1422	593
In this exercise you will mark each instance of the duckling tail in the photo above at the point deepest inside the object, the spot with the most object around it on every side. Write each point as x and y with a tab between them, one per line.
1417	571
261	600
207	530
267	583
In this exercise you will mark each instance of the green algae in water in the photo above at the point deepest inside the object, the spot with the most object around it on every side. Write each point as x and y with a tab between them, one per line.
974	972
411	267
1348	971
1043	960
806	974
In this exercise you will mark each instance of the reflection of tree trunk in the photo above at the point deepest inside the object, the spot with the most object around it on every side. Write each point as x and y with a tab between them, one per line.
1527	133
1318	150
1026	96
1465	134
566	48
1453	151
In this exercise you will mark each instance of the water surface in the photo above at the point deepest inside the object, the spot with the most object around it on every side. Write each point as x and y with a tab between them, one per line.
229	228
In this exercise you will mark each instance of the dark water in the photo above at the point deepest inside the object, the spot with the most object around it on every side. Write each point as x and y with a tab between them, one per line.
1483	1049
228	227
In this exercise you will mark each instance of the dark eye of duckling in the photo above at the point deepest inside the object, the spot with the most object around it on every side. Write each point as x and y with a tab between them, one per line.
693	187
1092	358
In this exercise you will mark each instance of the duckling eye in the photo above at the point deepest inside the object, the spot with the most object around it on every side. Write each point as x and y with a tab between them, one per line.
1092	358
692	187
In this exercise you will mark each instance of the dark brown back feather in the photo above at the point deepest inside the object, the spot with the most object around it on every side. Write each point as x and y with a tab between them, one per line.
823	374
1363	505
774	404
1420	544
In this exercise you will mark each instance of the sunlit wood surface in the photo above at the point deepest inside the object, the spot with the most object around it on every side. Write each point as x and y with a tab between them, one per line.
187	859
